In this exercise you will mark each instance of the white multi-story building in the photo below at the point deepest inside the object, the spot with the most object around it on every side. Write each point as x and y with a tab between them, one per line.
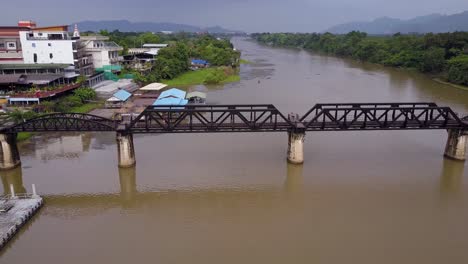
48	45
104	52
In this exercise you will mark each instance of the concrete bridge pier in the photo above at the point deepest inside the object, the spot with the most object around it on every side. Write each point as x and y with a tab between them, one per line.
9	154
296	140
126	150
456	144
296	147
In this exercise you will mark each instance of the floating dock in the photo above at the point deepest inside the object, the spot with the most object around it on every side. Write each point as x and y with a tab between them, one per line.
15	211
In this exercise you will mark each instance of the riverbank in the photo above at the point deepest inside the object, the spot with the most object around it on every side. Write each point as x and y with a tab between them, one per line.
462	87
203	76
431	54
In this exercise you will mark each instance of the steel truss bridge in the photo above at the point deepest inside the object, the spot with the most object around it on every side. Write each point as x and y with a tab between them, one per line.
255	118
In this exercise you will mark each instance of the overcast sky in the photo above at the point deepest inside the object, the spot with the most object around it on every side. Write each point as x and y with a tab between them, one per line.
246	15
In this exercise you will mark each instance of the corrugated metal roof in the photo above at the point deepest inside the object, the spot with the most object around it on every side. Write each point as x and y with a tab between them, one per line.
122	95
153	87
204	62
196	94
173	92
170	101
152	45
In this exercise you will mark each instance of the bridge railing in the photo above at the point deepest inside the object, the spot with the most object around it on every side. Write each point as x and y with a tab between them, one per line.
209	118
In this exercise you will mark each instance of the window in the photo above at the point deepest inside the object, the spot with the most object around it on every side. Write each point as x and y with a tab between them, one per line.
39	34
2	45
11	45
49	44
35	58
33	45
51	56
31	35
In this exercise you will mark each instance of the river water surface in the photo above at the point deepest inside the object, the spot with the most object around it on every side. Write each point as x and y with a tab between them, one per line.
360	197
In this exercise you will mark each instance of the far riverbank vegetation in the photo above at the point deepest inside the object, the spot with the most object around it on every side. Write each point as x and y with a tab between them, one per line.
444	56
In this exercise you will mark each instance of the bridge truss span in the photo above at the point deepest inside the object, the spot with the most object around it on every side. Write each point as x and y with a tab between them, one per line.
63	122
384	116
209	118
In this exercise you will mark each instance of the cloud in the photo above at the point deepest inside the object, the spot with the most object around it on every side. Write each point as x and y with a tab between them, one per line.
248	15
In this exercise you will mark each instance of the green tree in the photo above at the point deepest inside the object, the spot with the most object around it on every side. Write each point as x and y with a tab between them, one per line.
85	94
433	60
458	70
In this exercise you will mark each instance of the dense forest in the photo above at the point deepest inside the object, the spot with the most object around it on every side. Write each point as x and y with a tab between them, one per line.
444	55
175	59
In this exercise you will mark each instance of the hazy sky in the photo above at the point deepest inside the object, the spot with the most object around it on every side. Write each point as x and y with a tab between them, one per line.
246	15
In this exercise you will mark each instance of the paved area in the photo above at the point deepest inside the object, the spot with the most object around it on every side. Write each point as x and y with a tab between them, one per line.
12	220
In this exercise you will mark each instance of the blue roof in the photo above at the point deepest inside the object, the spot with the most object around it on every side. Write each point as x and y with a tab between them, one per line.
199	62
170	101
173	92
122	95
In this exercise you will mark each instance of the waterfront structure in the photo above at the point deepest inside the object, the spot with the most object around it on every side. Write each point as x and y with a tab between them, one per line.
15	212
142	59
118	99
196	97
249	118
104	52
149	48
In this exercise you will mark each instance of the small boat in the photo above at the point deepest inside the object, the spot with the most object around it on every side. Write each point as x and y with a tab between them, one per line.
196	98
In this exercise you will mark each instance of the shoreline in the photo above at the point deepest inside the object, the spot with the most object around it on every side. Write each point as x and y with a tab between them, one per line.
458	86
199	77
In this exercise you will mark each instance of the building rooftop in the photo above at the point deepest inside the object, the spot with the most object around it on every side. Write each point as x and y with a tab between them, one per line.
152	45
50	28
170	101
153	87
121	95
173	92
196	94
94	37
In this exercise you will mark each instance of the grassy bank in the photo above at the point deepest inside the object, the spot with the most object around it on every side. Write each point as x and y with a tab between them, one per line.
199	77
22	136
243	61
462	87
86	108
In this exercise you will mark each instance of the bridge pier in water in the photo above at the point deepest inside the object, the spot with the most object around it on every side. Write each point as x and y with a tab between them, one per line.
9	154
296	147
126	150
456	144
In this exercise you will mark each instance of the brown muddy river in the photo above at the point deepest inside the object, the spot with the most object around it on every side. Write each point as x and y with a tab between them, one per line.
360	197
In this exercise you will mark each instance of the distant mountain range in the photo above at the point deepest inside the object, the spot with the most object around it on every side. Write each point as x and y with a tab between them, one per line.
127	26
435	23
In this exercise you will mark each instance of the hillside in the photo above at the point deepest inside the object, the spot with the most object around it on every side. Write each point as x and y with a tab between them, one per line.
127	26
436	23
